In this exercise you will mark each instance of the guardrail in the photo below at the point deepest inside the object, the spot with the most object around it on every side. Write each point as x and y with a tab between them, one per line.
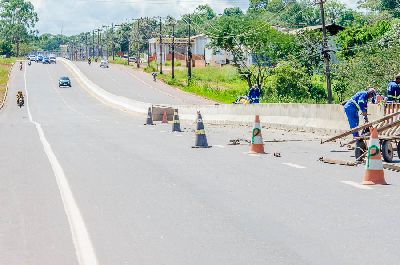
304	117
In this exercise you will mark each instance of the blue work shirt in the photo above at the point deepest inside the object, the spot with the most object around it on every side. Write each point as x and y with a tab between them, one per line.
254	94
393	91
360	101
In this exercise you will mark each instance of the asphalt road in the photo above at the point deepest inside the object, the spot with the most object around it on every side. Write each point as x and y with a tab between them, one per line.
123	81
82	180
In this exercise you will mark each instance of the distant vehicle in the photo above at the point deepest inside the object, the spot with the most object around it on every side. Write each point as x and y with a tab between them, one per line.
39	58
46	60
32	57
132	59
53	59
104	63
64	81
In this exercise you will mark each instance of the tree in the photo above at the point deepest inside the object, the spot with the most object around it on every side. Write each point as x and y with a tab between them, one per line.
254	45
233	11
18	19
390	6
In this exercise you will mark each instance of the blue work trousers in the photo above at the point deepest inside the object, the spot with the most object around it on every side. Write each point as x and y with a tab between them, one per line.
352	116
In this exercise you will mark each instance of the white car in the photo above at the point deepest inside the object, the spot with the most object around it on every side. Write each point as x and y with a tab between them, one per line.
52	59
104	63
32	57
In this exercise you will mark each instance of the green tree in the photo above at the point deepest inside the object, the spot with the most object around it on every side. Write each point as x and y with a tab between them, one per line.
254	45
233	11
18	19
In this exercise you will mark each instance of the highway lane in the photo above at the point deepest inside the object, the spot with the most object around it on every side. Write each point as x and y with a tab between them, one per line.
146	197
124	81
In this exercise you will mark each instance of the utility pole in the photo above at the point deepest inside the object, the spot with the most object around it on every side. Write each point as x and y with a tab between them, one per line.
161	53
112	41
138	44
93	44
325	51
189	52
173	50
86	42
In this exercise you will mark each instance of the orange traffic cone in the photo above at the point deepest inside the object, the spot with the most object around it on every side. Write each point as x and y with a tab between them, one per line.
374	174
257	143
165	117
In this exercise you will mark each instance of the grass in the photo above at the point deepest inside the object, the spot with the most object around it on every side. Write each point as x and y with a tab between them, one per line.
5	65
221	84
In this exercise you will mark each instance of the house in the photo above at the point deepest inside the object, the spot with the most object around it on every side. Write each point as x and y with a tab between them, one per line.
333	29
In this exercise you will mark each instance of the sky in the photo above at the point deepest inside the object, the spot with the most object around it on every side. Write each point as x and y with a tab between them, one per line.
74	16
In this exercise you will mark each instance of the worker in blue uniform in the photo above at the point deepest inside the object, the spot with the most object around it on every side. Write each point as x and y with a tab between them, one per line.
393	91
254	94
359	102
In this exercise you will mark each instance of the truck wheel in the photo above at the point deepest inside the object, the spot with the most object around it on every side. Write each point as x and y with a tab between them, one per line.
387	151
361	148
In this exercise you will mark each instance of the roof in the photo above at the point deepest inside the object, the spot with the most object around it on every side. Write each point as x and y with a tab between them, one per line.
333	29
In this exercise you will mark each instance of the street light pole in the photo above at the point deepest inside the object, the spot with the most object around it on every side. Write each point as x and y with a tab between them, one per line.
112	40
173	51
189	52
161	52
138	45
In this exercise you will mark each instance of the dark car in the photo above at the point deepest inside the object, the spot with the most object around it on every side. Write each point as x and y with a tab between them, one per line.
46	60
39	58
64	81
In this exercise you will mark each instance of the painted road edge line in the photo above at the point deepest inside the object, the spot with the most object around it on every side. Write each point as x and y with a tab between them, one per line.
83	246
294	165
356	185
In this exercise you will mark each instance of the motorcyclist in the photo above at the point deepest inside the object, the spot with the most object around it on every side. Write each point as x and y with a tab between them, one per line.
154	76
90	61
20	66
20	95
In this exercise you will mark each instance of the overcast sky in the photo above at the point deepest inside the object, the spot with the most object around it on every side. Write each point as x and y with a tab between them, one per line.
75	16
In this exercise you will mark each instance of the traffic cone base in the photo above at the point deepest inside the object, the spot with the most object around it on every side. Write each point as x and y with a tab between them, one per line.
374	174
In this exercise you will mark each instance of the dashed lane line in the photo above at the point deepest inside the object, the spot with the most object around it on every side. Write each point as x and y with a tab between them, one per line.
294	165
356	185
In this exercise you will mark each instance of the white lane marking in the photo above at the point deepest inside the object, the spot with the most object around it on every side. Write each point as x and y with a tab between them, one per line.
356	185
219	146
293	165
83	246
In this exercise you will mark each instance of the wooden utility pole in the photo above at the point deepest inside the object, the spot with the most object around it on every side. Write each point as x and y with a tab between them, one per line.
173	51
161	52
325	52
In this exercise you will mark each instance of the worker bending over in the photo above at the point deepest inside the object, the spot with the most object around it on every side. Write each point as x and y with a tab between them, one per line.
359	102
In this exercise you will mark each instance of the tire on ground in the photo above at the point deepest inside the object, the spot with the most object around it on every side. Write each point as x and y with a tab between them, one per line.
387	151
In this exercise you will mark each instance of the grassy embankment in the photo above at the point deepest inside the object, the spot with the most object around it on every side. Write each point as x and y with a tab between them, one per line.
5	65
221	84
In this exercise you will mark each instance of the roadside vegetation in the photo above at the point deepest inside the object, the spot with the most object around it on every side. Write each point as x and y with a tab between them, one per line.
289	67
5	66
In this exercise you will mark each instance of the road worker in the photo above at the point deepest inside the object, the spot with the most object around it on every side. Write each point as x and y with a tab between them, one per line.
359	102
393	90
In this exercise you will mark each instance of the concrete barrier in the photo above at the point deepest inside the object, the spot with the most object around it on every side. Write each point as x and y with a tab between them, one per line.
321	118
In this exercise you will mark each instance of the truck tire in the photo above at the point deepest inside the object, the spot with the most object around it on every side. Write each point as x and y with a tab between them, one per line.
387	151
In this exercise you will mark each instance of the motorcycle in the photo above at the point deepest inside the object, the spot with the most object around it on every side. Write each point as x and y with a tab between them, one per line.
20	102
29	63
20	67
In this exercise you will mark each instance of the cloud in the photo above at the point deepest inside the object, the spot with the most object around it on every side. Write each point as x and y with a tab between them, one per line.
75	16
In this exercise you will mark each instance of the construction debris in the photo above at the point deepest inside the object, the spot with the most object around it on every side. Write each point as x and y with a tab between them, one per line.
338	162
